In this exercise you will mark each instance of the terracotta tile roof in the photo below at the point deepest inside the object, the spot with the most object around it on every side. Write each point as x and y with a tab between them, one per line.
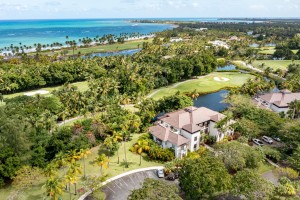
280	99
160	132
191	115
192	128
165	134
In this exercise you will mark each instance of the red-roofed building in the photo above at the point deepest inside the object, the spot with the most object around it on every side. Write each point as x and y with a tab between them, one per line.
278	102
185	129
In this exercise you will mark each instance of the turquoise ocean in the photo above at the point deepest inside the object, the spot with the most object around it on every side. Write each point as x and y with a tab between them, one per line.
29	32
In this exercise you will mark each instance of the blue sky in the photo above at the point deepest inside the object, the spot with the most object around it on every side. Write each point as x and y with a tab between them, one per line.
53	9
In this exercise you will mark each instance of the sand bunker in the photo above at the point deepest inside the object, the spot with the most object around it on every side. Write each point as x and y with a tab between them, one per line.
36	92
221	79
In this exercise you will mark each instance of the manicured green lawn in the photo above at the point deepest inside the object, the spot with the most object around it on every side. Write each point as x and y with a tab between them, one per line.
205	84
271	50
91	169
82	86
274	64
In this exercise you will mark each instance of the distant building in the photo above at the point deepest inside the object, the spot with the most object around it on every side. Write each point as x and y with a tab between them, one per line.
176	39
219	43
201	29
185	129
277	102
234	38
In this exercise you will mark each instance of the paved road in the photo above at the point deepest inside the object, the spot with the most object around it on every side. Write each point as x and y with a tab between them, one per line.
270	176
120	189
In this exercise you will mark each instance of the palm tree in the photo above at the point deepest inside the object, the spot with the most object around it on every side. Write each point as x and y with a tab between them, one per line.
143	145
54	187
102	161
117	138
83	153
194	94
73	156
109	144
294	107
72	174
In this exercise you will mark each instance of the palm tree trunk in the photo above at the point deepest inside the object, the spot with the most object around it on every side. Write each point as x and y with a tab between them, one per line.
125	153
118	156
84	168
70	191
75	188
140	159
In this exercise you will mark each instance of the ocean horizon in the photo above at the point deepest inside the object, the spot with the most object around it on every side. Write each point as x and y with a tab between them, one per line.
30	32
47	31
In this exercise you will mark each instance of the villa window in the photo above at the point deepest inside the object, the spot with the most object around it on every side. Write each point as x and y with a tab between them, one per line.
195	146
195	139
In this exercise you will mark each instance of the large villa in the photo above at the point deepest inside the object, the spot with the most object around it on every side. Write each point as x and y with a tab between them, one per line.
185	129
278	102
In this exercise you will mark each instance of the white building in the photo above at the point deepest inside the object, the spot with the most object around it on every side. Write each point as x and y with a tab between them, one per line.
185	129
176	39
219	43
278	102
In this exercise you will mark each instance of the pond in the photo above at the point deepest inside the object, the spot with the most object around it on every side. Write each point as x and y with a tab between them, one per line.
213	101
128	52
226	68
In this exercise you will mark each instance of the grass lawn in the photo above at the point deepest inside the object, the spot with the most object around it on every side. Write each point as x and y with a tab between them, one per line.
91	169
270	50
205	84
82	86
274	64
102	48
265	167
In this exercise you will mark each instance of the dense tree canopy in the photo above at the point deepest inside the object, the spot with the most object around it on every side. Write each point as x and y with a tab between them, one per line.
204	178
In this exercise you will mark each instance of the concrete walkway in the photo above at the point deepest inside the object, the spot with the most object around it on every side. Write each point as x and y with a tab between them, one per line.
256	69
118	177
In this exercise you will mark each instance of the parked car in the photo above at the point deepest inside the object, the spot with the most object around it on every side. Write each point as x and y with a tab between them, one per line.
276	139
258	142
160	173
267	139
171	177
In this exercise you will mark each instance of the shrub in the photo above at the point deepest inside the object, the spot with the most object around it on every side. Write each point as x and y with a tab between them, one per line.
271	153
287	172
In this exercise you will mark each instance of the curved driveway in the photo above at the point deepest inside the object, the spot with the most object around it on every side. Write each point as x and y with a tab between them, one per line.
120	189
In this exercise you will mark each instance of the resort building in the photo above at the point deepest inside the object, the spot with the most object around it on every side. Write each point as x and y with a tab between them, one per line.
219	43
277	102
176	39
185	129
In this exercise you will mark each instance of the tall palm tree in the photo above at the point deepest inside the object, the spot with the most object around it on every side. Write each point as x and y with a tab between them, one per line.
109	144
143	146
83	153
54	187
72	175
117	138
102	161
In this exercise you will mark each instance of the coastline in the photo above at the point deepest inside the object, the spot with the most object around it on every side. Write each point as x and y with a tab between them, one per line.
80	46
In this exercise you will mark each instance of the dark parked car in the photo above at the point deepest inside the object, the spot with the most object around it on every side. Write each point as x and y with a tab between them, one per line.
171	177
